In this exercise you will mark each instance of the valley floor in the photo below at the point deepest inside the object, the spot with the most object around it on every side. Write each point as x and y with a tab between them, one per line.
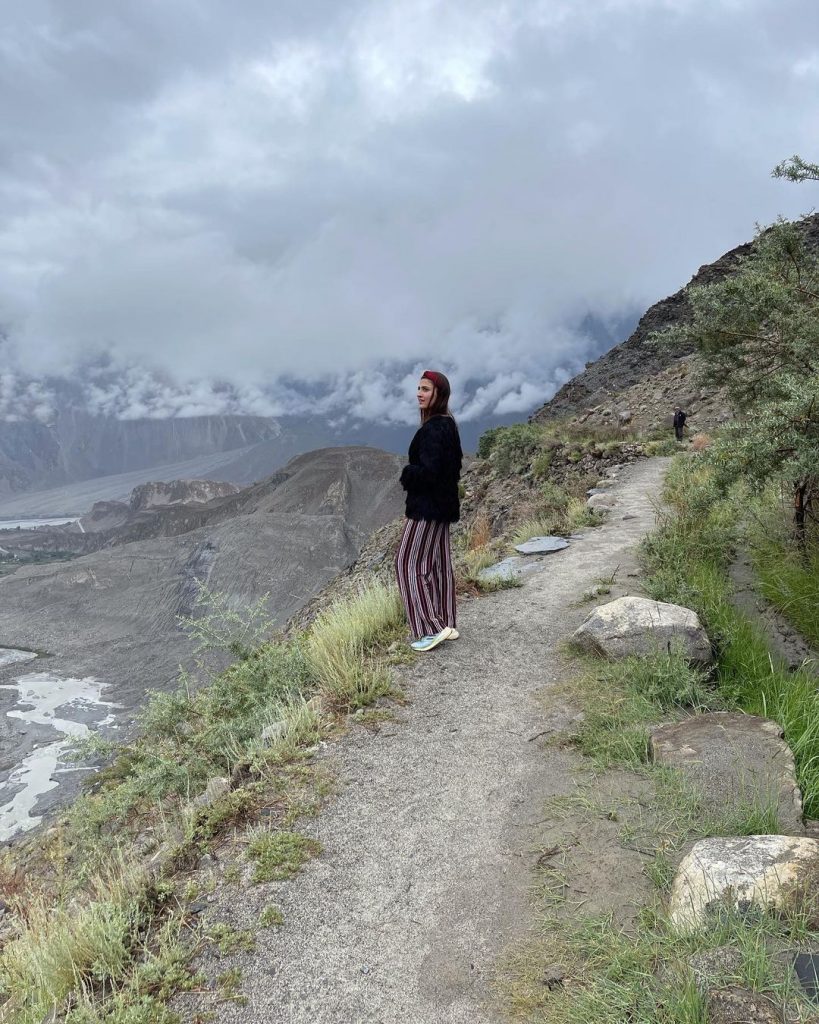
431	843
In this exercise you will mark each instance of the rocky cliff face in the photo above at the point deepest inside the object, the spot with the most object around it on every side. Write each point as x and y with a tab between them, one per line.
158	494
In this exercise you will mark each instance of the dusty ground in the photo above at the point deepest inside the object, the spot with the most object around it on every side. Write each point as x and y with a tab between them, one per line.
431	845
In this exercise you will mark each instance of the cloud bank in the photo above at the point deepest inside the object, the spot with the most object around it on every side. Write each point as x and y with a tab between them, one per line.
274	208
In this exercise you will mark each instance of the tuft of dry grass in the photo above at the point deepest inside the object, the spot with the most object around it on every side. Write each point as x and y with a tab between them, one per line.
342	643
479	534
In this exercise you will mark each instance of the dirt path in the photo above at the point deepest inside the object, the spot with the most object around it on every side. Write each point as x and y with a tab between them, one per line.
430	843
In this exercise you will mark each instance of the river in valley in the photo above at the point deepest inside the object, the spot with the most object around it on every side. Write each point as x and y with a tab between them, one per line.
35	524
43	715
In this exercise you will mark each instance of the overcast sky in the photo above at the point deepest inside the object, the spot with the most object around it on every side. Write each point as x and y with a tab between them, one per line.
269	205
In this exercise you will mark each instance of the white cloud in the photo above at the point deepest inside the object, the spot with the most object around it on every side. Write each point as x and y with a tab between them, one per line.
286	210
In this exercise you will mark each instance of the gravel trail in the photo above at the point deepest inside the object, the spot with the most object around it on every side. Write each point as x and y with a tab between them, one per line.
429	846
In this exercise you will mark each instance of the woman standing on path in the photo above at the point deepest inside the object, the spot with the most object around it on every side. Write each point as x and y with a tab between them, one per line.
423	563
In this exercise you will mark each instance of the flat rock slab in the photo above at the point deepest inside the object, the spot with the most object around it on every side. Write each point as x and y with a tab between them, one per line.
766	871
734	760
737	1005
637	625
514	566
542	545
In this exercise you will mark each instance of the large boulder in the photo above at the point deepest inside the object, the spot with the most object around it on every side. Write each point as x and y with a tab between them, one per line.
767	871
637	625
734	760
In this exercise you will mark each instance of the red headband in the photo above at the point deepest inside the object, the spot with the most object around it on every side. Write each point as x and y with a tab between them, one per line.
436	378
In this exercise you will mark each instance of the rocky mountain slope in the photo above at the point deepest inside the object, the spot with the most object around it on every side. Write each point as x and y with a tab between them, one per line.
637	384
118	607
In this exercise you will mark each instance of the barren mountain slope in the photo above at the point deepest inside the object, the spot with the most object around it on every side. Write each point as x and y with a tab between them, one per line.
285	537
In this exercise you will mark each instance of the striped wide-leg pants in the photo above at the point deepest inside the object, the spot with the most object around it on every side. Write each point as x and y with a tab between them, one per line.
423	566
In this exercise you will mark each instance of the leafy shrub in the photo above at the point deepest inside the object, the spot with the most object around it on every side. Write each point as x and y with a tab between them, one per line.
219	623
541	464
513	448
554	496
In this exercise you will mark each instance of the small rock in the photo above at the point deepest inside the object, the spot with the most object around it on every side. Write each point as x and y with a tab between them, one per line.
737	1005
713	966
624	416
198	907
742	872
215	790
601	502
553	977
145	843
273	732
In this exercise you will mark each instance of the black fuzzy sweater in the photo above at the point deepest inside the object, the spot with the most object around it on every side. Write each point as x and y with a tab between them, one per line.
431	478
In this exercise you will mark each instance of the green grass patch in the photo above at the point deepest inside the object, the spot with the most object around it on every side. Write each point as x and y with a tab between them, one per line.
280	855
271	917
623	698
343	643
788	576
592	972
686	560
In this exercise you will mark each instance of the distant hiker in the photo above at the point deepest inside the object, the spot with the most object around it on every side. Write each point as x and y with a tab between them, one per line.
679	423
423	564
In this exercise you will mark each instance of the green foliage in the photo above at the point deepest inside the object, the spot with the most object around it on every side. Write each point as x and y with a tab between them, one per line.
486	442
631	694
271	917
513	448
228	939
758	333
543	527
786	576
578	514
554	497
796	169
219	623
507	581
686	559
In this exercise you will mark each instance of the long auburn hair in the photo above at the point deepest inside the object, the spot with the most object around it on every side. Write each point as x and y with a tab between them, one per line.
439	406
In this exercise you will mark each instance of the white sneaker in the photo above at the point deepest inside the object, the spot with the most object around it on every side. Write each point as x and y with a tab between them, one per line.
426	643
453	633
